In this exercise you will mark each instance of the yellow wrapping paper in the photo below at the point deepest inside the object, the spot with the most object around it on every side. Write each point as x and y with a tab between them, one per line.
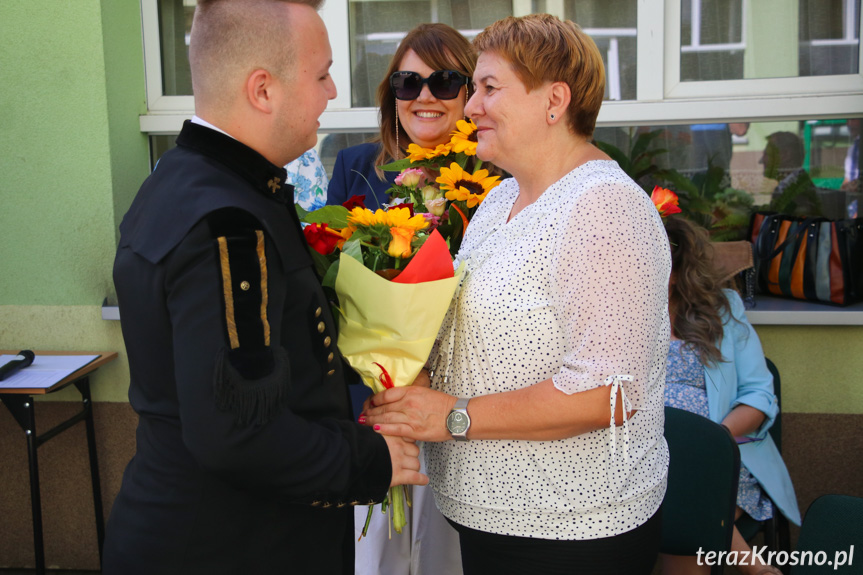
389	323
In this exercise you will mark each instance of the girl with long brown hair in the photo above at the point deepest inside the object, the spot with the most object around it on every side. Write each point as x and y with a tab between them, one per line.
716	368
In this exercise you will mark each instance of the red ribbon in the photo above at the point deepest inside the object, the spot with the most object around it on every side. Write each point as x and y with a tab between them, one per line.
384	377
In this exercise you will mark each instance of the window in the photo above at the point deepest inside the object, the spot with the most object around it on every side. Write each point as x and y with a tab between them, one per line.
756	48
669	62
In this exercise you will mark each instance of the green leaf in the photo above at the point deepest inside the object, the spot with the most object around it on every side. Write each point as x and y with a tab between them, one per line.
643	141
333	216
329	278
353	248
322	262
301	212
398	165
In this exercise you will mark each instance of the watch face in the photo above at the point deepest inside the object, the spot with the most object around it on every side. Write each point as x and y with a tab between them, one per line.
457	422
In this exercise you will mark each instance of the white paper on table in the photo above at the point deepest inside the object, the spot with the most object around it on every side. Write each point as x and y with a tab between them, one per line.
45	371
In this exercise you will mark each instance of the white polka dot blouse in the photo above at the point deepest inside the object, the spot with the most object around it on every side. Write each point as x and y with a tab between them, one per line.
573	288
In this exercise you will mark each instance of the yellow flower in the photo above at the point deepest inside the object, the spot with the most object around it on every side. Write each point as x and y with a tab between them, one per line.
462	186
400	244
363	217
393	218
418	153
401	218
464	138
441	150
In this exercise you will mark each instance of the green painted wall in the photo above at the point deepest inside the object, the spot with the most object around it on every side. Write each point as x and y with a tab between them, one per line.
821	366
71	157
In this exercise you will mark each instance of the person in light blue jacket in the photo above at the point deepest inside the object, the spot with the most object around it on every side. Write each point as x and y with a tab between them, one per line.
716	368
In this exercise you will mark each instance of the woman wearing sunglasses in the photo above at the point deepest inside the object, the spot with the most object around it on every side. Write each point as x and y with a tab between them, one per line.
421	97
543	426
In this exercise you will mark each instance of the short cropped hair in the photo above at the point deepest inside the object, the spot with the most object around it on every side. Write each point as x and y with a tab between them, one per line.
542	48
786	151
231	38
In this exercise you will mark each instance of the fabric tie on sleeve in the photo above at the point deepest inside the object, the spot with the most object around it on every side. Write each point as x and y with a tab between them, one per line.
617	389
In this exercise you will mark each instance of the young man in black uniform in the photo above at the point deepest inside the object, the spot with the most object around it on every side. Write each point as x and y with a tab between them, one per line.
247	460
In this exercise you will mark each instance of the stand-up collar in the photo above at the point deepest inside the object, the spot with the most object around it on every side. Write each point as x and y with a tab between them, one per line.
265	177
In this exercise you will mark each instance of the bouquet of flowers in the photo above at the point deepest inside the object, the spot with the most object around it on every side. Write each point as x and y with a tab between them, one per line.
437	184
393	281
390	270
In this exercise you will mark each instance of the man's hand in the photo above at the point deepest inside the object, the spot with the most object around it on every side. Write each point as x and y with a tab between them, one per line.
404	455
422	379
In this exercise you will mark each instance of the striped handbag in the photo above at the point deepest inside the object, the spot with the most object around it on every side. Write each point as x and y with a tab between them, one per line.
812	259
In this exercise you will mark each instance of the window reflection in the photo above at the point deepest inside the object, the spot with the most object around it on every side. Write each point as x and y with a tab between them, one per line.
737	39
727	170
376	27
175	25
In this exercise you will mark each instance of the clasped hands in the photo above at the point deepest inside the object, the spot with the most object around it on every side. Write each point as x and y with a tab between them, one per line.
409	414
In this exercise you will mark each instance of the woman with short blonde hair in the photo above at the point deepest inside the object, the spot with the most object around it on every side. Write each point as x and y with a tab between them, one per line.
544	419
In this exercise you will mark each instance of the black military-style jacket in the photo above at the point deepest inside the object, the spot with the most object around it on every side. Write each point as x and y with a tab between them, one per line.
247	459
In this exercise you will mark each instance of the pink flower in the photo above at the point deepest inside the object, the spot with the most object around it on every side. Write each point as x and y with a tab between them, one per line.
410	178
432	219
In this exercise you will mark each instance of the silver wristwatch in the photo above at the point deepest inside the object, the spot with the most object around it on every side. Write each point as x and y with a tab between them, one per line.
458	421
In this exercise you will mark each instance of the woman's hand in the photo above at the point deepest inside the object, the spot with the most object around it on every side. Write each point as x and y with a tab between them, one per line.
422	380
417	413
743	420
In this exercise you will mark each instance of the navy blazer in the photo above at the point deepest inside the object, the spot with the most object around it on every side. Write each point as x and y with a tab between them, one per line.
354	175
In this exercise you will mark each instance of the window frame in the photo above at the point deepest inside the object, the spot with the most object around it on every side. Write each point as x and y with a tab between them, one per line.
661	97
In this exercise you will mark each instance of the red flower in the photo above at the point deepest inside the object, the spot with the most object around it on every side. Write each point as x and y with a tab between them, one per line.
321	239
665	201
355	202
408	205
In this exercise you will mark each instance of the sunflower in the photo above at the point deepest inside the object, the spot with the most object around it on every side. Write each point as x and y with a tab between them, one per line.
464	138
460	185
393	218
363	217
418	153
401	218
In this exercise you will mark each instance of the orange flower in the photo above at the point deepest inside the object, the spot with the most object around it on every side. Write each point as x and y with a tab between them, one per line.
400	245
344	235
665	201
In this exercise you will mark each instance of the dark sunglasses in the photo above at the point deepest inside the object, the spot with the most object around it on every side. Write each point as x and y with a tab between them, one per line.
443	84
